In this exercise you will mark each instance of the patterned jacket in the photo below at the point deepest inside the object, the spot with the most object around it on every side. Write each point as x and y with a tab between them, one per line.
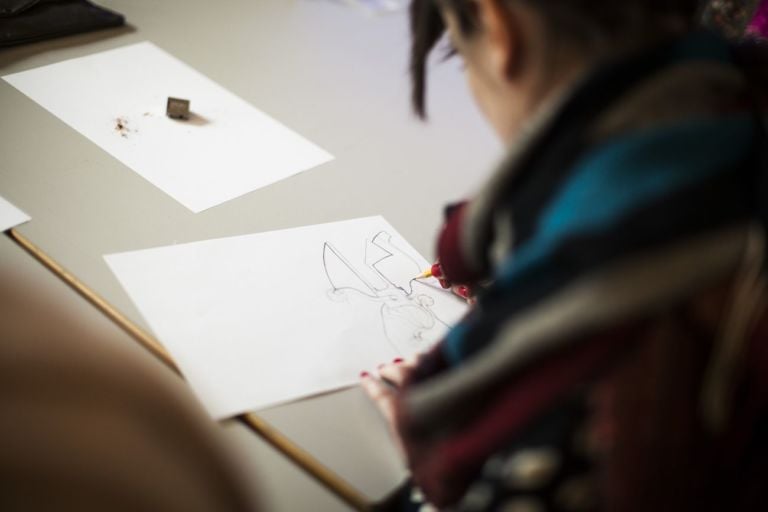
617	358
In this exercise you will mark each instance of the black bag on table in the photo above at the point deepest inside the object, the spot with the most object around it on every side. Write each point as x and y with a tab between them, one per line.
27	21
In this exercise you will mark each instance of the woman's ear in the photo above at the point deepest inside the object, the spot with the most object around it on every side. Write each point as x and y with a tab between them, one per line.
502	31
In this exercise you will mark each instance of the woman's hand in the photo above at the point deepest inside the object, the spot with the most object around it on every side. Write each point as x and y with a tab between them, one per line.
461	290
465	292
383	387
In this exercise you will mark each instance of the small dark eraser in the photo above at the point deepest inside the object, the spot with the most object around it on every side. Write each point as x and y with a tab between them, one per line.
177	108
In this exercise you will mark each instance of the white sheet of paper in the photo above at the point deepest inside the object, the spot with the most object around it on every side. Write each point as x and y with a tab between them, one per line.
260	319
117	99
10	216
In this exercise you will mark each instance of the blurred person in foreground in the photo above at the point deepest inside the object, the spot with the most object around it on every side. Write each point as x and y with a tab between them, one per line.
616	354
87	424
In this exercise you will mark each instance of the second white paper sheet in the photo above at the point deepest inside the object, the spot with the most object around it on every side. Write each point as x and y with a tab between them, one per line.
260	319
10	216
117	99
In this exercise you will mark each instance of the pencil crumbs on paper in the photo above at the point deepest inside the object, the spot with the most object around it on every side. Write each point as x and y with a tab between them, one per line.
121	126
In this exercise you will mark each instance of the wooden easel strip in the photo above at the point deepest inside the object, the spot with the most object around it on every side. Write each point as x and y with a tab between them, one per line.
278	441
113	314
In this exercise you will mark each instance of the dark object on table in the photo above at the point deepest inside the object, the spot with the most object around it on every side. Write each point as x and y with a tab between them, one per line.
728	17
27	21
177	108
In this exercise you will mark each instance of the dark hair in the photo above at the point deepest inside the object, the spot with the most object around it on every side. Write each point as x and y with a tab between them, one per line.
585	24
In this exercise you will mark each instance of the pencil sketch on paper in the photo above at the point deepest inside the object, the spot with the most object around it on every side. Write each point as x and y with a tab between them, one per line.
406	310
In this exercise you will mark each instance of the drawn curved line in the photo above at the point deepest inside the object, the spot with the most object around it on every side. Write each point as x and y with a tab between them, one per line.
372	241
390	254
330	251
398	312
437	288
386	331
375	298
401	251
366	244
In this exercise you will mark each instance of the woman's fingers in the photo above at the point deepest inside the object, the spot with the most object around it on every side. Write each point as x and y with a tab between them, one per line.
465	292
395	373
382	395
